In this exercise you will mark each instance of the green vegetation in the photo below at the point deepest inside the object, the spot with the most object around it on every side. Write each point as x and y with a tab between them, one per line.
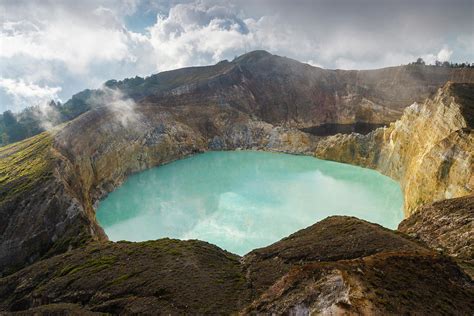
33	120
447	64
121	279
23	164
93	265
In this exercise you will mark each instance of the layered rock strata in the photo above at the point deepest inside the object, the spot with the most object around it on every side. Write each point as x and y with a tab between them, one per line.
50	184
430	150
283	91
90	156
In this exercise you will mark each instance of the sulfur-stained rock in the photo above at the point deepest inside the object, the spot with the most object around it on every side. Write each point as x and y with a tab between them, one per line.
430	150
50	184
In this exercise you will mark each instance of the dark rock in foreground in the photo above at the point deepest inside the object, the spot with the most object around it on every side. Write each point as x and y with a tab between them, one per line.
341	264
447	226
168	276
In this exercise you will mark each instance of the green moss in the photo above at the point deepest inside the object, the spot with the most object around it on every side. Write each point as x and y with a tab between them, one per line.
73	239
169	246
120	279
94	265
24	164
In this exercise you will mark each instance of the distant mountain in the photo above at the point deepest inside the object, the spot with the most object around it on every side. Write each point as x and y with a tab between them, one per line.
275	89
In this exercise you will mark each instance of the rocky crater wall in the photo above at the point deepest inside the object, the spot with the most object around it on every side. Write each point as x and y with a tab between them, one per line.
93	154
89	157
430	150
341	265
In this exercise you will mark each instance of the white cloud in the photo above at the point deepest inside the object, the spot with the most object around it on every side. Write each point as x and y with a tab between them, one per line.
122	108
82	44
444	54
28	94
73	42
194	33
199	34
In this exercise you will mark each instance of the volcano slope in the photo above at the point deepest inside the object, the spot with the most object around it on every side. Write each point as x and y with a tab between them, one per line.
283	91
277	90
50	184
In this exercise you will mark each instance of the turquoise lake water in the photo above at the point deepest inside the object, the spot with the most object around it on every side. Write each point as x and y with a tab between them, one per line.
241	200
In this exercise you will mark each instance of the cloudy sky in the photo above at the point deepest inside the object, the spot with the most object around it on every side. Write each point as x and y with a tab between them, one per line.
53	49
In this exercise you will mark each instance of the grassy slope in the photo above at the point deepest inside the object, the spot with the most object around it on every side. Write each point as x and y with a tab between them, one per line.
23	164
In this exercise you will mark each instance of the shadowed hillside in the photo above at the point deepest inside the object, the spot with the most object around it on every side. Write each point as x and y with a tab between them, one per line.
339	265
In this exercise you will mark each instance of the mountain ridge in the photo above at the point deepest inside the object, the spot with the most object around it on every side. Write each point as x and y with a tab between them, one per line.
276	89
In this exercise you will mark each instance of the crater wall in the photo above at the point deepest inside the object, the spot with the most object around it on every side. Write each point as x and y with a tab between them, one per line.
430	150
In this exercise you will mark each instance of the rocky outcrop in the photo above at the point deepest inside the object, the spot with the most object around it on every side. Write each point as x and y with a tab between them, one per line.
343	265
40	216
446	226
93	154
339	265
429	150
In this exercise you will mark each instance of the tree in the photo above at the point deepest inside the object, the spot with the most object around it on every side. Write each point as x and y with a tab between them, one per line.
419	61
9	119
4	139
14	130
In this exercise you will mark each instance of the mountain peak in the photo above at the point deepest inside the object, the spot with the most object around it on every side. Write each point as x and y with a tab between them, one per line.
253	56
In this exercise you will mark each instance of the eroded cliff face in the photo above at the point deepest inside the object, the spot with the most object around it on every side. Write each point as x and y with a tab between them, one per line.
112	149
283	91
430	150
277	90
39	215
